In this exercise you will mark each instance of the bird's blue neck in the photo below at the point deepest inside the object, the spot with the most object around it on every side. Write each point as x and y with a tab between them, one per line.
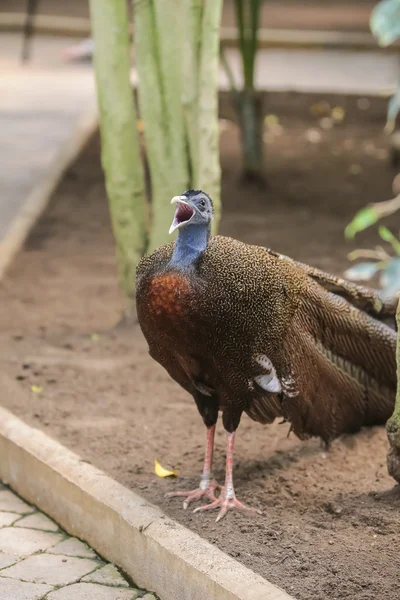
190	244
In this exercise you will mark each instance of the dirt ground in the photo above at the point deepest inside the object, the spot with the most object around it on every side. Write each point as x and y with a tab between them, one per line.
330	522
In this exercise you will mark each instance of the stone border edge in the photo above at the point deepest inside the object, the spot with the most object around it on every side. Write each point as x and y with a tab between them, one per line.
158	553
38	199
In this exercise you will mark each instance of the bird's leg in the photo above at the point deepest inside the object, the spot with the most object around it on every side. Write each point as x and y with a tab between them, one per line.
207	486
227	499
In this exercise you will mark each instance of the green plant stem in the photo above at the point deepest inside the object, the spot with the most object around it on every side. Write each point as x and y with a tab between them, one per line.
209	170
228	70
120	154
255	6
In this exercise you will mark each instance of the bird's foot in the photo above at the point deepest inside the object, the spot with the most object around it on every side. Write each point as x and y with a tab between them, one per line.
226	504
208	492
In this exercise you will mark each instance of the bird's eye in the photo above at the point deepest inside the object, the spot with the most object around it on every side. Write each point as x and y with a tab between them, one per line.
202	202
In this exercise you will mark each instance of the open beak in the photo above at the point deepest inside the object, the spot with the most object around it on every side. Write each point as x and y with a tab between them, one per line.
183	214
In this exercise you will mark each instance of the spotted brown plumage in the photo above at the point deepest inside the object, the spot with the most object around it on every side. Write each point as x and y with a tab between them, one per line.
244	329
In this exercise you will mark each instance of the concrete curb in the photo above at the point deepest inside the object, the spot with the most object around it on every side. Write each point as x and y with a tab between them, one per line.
158	553
36	202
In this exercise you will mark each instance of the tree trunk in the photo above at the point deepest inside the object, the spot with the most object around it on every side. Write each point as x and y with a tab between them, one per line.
249	108
193	15
168	164
208	168
120	154
168	20
177	61
393	425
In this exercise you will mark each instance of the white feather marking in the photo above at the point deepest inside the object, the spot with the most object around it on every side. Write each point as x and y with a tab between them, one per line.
289	387
265	363
269	380
269	383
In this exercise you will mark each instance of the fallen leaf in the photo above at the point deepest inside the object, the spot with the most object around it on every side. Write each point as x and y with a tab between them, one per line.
36	389
95	337
271	120
161	472
338	114
319	109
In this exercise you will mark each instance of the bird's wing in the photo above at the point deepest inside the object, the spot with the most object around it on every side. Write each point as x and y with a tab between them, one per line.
343	364
363	298
264	409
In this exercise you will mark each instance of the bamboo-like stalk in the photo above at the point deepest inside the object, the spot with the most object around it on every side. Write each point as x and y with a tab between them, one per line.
120	155
255	7
247	101
177	61
154	115
170	32
209	170
242	28
192	13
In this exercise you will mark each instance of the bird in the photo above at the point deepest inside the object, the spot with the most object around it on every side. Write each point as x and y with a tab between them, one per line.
244	329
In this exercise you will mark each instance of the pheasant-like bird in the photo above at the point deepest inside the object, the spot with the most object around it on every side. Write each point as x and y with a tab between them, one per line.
244	329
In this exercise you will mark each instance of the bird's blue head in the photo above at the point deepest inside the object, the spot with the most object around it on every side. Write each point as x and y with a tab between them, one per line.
194	208
193	216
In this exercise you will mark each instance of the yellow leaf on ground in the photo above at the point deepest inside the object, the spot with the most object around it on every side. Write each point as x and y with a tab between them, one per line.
36	389
338	114
161	472
271	120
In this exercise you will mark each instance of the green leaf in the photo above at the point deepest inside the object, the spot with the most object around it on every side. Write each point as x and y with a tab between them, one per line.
362	272
385	21
385	234
362	220
388	236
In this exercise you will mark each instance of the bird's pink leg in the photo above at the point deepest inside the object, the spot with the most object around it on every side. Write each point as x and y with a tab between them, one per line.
207	486
227	499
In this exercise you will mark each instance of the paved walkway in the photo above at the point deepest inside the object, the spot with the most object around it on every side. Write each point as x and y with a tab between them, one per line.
41	104
40	561
321	71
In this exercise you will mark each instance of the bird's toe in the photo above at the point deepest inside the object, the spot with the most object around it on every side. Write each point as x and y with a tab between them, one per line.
197	494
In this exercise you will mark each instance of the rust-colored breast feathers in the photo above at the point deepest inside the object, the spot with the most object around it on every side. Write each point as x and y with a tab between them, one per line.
169	295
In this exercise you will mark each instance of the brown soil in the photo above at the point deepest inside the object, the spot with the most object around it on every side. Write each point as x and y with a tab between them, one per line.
330	522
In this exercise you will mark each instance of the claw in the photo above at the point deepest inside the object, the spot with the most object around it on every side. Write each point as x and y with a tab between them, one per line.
226	504
197	494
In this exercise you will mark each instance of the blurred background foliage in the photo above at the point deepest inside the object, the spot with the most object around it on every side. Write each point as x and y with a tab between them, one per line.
385	26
